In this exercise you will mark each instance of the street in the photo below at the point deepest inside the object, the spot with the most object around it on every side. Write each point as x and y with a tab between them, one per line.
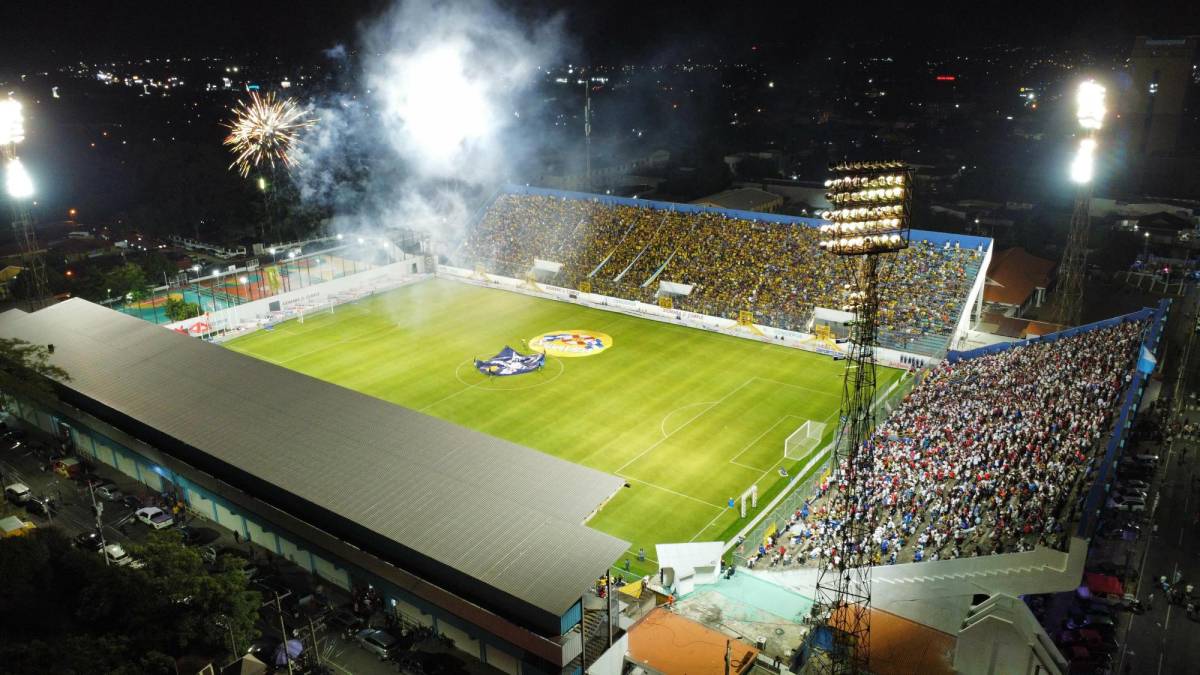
74	516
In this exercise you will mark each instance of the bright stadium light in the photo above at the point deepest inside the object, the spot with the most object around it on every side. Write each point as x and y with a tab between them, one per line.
1089	101
12	124
17	180
871	206
1082	166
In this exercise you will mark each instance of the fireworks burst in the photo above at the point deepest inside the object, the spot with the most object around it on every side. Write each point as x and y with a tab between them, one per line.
265	130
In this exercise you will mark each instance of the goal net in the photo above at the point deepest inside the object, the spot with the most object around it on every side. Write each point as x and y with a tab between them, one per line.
803	440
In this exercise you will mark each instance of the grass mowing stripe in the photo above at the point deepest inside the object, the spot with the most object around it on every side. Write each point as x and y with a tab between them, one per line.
690	417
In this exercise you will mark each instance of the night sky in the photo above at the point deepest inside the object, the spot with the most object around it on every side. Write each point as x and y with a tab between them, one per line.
616	30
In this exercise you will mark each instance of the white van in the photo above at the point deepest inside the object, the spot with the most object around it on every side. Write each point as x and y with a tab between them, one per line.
17	493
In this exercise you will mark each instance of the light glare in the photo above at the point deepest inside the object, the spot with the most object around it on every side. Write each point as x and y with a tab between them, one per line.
1083	164
1089	101
17	180
12	125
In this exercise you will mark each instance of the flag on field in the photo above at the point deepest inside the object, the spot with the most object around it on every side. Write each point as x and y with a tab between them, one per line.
510	362
1146	361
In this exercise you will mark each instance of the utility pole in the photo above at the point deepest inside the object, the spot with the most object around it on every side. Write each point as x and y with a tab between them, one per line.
98	508
283	629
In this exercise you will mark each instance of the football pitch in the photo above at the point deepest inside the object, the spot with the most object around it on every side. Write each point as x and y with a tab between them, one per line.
687	417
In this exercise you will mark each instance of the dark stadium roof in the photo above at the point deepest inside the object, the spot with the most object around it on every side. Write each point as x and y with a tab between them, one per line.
502	514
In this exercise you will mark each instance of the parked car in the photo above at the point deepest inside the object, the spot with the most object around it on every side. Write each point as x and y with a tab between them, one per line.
263	649
42	506
377	642
131	502
89	541
1133	494
17	493
1131	504
109	491
116	555
155	517
345	622
198	536
1132	484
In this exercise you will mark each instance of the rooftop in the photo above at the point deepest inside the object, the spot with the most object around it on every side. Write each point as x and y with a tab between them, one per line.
491	511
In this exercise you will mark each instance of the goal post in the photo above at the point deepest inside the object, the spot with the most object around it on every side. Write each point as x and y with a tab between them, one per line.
803	440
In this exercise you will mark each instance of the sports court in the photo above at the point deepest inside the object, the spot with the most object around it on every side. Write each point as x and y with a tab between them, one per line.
687	417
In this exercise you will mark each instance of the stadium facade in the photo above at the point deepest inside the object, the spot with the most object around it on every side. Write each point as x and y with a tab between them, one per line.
482	539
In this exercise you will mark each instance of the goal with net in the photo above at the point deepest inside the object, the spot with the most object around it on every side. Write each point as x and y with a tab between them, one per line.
803	440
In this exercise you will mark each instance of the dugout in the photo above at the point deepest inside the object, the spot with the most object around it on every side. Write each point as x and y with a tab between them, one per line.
480	538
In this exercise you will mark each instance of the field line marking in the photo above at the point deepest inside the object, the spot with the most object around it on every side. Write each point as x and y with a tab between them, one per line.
710	524
745	466
798	386
339	343
760	476
684	425
759	438
451	395
662	426
677	494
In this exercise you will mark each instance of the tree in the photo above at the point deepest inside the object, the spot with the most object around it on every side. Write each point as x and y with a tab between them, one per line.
25	368
199	609
128	280
66	612
179	309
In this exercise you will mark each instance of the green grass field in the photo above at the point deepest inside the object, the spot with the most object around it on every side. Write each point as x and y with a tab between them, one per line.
688	418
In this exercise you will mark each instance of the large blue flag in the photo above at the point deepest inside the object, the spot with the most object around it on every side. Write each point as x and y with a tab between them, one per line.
510	362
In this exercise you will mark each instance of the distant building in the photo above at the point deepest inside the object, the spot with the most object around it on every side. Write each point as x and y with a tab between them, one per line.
743	199
1016	280
1153	110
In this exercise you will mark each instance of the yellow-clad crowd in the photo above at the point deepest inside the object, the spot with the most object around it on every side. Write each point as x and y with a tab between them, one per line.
774	270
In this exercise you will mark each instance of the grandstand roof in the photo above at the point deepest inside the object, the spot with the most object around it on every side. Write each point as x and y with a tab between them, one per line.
742	199
494	512
1013	276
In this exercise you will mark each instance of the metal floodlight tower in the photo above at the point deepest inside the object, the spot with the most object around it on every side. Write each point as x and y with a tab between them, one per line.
870	218
19	186
1090	109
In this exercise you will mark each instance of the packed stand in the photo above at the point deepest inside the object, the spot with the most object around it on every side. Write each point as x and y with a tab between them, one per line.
988	455
775	270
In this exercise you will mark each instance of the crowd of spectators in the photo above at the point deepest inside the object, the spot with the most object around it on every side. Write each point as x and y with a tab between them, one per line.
986	455
774	270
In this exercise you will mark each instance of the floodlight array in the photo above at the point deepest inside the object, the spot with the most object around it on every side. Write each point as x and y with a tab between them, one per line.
872	208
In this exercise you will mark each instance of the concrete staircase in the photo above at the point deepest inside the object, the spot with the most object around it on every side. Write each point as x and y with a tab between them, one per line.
939	593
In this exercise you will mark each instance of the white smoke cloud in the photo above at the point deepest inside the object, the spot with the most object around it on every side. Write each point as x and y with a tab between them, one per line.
433	126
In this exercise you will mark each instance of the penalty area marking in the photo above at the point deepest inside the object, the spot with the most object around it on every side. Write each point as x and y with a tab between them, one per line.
677	494
663	425
504	378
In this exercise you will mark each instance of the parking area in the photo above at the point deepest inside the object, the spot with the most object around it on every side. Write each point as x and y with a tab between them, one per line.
318	615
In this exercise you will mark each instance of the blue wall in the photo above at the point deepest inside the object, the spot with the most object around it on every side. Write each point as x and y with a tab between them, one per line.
964	240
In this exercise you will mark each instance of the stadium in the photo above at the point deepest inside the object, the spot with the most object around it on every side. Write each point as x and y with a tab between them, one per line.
586	380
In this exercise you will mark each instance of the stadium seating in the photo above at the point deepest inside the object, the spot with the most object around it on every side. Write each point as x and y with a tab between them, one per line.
775	270
985	455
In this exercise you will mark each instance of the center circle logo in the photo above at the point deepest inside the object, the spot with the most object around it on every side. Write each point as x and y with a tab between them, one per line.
571	343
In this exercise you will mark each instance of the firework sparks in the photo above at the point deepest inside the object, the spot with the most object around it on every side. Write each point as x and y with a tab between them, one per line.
264	130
